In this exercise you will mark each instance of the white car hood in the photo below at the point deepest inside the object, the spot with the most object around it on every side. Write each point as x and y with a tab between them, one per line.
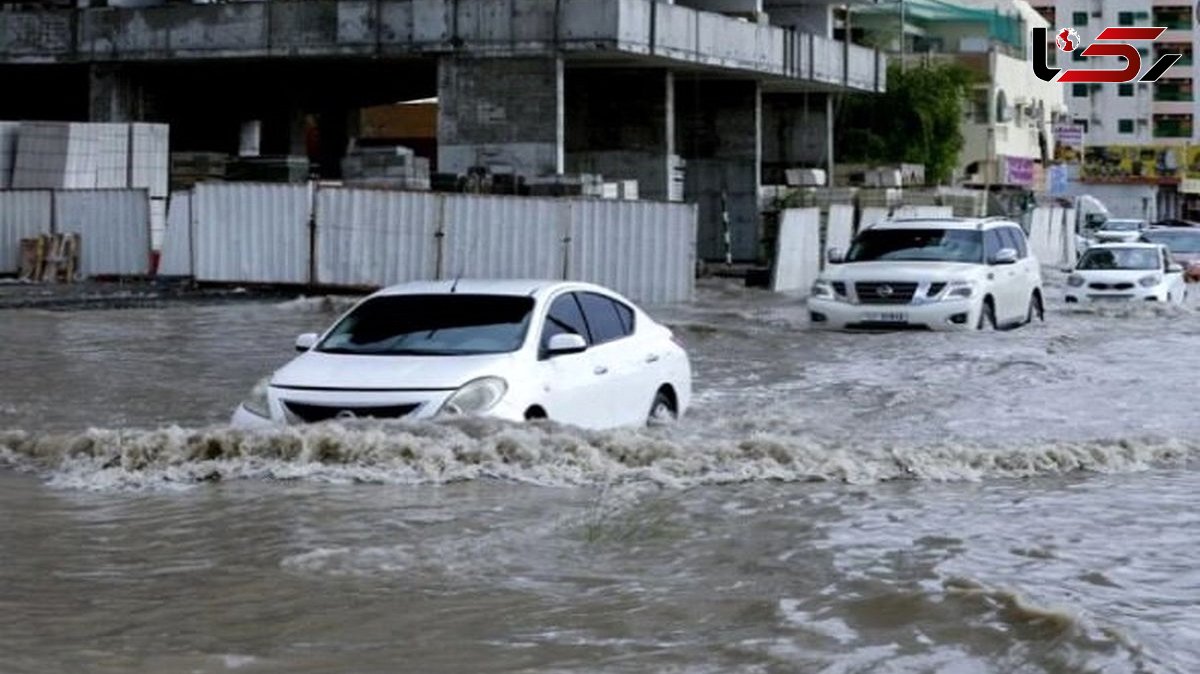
358	373
1114	235
914	272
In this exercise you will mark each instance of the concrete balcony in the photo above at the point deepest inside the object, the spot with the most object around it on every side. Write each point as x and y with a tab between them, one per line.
625	31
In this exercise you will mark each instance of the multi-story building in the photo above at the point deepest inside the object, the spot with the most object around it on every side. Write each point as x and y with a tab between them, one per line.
1009	117
688	97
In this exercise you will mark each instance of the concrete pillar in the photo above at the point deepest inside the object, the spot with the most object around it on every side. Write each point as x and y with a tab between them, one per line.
113	95
719	135
797	133
501	111
621	124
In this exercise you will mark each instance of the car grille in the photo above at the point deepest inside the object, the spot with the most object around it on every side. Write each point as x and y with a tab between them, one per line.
312	414
887	326
885	293
1111	286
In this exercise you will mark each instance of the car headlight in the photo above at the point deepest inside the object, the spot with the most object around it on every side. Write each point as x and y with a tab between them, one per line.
475	397
257	402
958	290
822	289
1149	281
1074	280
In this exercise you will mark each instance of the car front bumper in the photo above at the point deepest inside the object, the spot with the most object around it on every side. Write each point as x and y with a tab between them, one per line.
830	314
1088	296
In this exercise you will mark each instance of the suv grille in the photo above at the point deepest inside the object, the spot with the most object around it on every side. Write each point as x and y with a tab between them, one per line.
315	413
885	293
1111	286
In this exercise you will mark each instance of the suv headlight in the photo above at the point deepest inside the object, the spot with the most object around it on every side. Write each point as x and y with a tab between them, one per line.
475	397
257	402
958	290
822	289
1149	281
1074	280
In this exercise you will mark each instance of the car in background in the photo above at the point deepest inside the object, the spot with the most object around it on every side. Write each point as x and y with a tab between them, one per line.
1124	272
930	274
1119	230
575	353
1184	245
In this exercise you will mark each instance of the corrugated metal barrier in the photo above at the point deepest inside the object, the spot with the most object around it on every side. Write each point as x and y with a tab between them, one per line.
251	232
23	214
176	257
114	226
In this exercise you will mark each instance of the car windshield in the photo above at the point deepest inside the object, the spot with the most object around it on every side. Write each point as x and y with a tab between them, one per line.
432	325
1178	242
925	245
1122	225
1121	258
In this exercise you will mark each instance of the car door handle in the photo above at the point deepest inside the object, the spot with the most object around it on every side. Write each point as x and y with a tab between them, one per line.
652	358
600	369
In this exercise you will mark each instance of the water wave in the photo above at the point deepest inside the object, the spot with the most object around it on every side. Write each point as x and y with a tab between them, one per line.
540	453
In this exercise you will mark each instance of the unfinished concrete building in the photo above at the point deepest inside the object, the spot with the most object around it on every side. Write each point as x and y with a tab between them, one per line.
694	99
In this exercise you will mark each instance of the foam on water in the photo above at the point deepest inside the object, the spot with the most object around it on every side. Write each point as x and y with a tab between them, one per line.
542	454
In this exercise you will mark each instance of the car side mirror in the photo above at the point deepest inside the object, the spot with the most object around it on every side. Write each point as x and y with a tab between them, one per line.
306	341
566	343
1174	268
1005	256
835	256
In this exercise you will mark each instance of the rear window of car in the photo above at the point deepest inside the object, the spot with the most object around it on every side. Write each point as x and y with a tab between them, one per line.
604	318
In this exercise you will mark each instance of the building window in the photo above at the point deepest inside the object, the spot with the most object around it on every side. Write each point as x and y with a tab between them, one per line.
1079	18
1079	90
1077	55
1125	90
1124	18
1124	126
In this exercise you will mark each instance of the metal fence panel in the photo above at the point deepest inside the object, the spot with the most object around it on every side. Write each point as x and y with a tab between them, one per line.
504	237
114	228
376	237
841	227
1040	235
643	250
23	214
251	232
176	257
798	261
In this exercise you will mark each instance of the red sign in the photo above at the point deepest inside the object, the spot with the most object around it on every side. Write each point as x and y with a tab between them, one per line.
1112	41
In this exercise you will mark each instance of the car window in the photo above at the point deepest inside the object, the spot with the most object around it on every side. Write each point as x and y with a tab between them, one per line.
932	245
1017	237
564	318
431	325
626	316
1120	258
603	320
992	243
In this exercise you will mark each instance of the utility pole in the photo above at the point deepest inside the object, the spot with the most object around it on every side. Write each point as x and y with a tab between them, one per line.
902	46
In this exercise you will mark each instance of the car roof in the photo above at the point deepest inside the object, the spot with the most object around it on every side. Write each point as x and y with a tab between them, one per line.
1131	244
943	223
500	287
1124	220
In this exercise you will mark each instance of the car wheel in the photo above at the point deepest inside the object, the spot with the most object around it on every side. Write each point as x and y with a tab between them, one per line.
662	411
987	316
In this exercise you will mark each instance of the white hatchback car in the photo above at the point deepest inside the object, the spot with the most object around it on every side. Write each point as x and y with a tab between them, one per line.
575	353
930	274
1126	271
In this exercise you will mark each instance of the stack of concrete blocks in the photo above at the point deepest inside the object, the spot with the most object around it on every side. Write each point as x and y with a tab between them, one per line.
390	167
111	143
189	168
569	185
805	177
8	152
56	155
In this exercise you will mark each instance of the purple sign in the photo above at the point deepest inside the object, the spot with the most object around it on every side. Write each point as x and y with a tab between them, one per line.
1018	171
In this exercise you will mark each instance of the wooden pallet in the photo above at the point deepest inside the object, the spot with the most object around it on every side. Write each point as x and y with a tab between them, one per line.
50	258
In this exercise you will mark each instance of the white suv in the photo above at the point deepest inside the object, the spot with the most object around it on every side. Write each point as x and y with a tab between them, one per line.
933	274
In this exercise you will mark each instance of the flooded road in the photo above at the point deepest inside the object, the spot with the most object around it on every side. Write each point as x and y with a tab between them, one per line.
1016	501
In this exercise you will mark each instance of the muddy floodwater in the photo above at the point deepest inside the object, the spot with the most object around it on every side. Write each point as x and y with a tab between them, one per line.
1018	501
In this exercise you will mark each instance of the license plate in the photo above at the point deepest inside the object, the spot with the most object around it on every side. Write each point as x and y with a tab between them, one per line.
888	317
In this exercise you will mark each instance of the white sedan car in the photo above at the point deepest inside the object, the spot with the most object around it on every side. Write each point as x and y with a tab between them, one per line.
571	352
1126	271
